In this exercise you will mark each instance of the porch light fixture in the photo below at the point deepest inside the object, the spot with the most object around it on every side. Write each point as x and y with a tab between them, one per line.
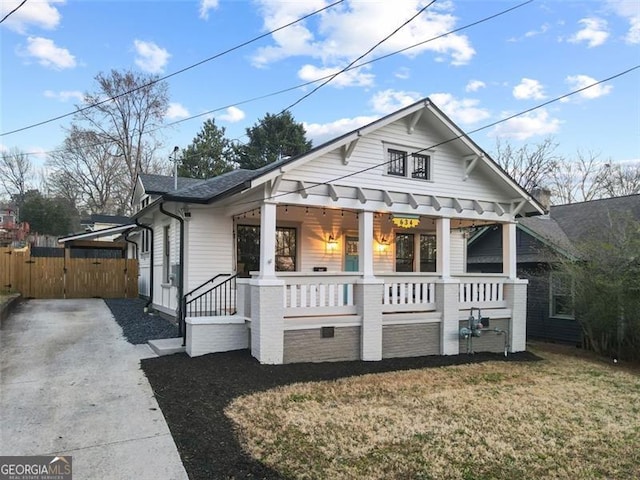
383	244
332	244
406	221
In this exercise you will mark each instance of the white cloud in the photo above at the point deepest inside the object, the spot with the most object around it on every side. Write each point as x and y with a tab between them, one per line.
474	86
464	111
403	73
580	81
630	11
341	34
176	111
594	32
388	101
532	33
537	123
233	115
65	95
41	14
529	89
150	57
351	78
205	6
48	54
322	132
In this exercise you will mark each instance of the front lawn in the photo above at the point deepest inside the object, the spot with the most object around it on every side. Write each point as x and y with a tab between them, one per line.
564	417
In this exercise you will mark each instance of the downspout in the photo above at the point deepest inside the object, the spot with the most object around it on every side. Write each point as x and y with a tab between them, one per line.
181	326
150	230
135	249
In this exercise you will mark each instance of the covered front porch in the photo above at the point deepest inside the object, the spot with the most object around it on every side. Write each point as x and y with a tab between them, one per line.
329	283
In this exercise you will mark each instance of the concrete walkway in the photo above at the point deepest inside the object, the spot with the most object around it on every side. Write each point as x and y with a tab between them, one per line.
71	385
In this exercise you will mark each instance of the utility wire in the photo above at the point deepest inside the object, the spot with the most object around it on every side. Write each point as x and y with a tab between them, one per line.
311	82
159	79
453	139
13	11
331	77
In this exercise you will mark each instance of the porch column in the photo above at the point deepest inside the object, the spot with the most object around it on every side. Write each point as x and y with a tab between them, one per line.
268	240
515	294
447	303
365	240
368	298
267	294
443	247
509	265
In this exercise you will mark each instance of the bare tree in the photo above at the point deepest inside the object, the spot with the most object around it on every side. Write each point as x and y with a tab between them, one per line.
16	173
579	180
621	180
124	126
88	174
530	166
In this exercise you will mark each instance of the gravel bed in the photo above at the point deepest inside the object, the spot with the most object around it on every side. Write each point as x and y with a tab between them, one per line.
139	327
193	393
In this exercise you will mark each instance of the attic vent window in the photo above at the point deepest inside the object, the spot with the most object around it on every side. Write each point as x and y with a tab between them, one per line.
421	166
397	164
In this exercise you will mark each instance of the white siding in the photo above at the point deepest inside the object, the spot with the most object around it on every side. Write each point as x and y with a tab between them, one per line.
448	167
210	246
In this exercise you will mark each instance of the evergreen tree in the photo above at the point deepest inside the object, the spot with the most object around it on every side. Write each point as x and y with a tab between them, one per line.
271	138
209	154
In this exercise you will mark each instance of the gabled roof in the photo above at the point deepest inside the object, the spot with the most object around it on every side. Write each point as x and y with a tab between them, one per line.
160	184
206	191
584	220
546	229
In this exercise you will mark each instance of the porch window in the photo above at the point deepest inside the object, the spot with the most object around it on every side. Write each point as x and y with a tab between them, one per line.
561	293
397	163
404	252
166	269
421	166
145	241
427	253
248	249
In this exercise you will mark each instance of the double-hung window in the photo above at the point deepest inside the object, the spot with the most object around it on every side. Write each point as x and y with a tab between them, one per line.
248	249
561	295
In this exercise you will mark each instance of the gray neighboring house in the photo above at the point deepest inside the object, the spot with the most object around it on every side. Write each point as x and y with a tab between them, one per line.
542	242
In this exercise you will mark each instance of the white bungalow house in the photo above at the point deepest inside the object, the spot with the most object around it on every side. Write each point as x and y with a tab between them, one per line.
353	250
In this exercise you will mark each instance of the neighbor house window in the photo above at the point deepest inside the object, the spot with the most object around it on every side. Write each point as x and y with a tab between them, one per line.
144	202
397	163
166	267
421	166
561	293
248	249
427	253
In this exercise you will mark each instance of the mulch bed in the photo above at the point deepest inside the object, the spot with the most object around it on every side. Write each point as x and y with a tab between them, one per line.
139	327
193	393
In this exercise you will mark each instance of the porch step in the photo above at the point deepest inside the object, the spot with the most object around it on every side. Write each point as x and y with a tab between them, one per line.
166	346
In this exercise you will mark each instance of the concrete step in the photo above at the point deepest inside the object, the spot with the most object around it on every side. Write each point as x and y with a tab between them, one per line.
167	346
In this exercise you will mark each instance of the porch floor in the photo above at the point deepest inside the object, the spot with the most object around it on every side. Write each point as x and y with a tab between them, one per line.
167	346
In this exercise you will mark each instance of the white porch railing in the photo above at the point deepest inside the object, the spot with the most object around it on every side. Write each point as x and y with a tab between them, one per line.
320	294
407	292
481	292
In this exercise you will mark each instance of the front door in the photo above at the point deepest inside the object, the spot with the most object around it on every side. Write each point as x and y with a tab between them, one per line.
351	254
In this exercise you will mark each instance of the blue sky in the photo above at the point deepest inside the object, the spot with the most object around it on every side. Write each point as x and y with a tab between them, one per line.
52	50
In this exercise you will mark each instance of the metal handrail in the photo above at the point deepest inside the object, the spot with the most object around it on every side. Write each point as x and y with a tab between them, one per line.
221	297
205	283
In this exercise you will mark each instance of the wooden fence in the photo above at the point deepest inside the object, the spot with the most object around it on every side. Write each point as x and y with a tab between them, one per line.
66	277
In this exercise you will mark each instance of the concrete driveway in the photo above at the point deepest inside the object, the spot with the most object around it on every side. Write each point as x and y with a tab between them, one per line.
71	385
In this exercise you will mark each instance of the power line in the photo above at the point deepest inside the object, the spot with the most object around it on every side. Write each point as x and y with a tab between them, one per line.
311	82
457	137
13	11
331	77
159	79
